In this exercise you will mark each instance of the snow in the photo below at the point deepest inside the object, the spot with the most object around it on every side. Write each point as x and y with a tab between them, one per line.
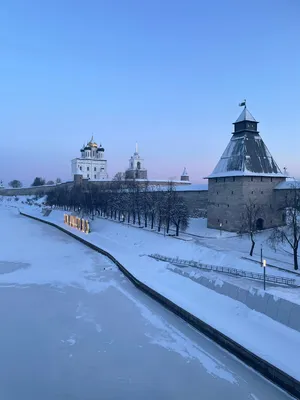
86	330
288	184
243	173
187	188
265	337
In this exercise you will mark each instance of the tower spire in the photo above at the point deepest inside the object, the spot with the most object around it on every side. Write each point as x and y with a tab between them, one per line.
136	147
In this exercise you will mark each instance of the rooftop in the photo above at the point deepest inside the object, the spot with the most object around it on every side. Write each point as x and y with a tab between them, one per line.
246	116
246	154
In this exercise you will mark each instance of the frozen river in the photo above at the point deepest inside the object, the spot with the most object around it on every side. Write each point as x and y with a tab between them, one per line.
73	327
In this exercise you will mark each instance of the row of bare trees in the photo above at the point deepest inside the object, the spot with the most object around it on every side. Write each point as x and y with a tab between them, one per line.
131	202
287	234
38	181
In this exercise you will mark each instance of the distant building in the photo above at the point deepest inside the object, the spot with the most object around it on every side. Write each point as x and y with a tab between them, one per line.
136	168
92	164
185	176
246	172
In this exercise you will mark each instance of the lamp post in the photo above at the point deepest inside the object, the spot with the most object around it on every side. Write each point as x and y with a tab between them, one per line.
220	228
263	264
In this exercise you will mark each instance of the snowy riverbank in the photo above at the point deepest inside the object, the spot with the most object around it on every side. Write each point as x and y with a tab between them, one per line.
269	339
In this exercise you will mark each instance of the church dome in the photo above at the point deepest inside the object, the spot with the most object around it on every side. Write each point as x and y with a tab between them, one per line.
91	143
100	148
87	147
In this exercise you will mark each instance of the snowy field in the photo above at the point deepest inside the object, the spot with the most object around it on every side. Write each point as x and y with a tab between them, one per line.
72	327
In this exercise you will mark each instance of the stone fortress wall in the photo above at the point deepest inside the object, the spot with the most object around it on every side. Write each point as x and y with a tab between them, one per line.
227	198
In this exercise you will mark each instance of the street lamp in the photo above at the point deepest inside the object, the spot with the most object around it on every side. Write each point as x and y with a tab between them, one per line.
263	264
264	267
220	228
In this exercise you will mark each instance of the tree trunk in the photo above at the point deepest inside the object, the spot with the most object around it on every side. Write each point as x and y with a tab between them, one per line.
295	251
128	217
139	218
253	244
159	225
177	229
146	221
168	225
152	221
134	218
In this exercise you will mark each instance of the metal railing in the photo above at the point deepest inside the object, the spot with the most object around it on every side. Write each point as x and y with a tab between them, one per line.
225	270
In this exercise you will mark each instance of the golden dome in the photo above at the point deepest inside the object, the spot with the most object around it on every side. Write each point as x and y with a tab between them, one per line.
91	143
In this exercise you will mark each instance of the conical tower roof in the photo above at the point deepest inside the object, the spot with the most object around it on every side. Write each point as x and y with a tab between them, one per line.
246	154
184	173
245	116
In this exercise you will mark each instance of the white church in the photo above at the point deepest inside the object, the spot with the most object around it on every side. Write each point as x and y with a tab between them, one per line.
92	165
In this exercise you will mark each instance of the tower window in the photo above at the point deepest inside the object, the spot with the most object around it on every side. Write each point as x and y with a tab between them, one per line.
251	178
218	220
88	168
218	205
216	179
261	179
227	205
233	179
217	192
95	169
226	221
262	192
270	205
252	192
80	168
95	176
88	175
271	179
232	192
224	180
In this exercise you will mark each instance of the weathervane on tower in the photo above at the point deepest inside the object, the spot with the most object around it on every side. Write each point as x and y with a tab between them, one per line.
243	103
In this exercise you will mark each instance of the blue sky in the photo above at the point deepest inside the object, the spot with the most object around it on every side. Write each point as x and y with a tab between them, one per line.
168	74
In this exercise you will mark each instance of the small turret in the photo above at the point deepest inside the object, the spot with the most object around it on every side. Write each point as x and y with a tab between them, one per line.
184	175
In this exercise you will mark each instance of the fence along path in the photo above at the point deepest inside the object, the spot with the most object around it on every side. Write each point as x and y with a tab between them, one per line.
225	270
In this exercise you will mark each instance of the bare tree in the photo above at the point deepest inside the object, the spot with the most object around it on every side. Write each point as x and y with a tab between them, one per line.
290	233
38	181
120	176
249	221
170	199
15	184
179	214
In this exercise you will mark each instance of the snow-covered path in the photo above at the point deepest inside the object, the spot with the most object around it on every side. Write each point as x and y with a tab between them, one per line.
73	327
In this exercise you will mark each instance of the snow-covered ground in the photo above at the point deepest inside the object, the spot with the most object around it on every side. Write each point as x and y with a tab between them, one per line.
72	327
269	339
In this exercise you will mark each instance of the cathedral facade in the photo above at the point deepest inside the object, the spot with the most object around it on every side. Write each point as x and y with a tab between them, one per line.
245	175
92	164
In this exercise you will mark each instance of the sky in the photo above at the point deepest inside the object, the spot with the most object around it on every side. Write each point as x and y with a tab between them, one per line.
168	74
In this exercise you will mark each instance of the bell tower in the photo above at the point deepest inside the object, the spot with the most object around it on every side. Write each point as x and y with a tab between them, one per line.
136	168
